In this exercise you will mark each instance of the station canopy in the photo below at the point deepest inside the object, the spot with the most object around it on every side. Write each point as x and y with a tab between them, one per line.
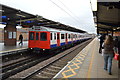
108	16
15	16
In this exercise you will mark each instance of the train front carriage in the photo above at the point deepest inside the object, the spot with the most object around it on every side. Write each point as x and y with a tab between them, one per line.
39	39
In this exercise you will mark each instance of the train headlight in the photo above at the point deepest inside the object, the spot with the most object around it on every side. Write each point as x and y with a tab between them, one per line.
31	48
43	49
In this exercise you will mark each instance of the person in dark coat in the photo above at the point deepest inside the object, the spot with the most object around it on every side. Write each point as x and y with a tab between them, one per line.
21	39
102	37
117	49
116	42
116	45
119	54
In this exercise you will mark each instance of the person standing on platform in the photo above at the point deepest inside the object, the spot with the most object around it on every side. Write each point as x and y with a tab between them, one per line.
116	45
119	54
21	39
108	53
117	49
102	37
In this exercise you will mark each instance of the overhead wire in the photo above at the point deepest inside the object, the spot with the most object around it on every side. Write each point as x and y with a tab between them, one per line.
67	8
77	19
63	10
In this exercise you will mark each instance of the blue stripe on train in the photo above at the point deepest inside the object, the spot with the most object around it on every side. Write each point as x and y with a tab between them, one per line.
69	42
78	40
75	41
54	45
61	44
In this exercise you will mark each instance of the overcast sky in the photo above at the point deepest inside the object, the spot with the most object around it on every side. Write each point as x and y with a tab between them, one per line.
75	13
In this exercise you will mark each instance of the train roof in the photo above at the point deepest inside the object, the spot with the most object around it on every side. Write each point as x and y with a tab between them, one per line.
42	28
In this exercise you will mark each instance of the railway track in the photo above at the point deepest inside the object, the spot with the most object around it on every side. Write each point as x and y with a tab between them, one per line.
13	66
18	58
17	64
14	55
12	59
16	67
51	70
44	67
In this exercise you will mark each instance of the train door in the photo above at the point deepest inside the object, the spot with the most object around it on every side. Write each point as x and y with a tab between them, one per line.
75	37
44	42
66	39
31	39
37	39
58	39
72	37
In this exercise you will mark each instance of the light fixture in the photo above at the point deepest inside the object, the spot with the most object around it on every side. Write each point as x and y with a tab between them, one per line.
20	15
1	10
118	27
110	7
48	22
41	20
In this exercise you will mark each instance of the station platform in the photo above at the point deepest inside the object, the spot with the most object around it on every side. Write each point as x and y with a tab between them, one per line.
88	64
13	48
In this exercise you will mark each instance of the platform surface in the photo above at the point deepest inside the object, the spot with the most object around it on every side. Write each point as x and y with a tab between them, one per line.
11	48
88	64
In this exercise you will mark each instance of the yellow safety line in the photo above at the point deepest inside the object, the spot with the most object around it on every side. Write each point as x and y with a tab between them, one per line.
81	56
70	69
78	61
91	62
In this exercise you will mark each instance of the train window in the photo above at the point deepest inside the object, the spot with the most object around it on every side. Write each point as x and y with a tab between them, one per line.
69	36
31	37
51	35
75	35
79	36
37	36
62	36
43	36
54	36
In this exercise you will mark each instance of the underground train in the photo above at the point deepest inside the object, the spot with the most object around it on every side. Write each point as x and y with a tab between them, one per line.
43	39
